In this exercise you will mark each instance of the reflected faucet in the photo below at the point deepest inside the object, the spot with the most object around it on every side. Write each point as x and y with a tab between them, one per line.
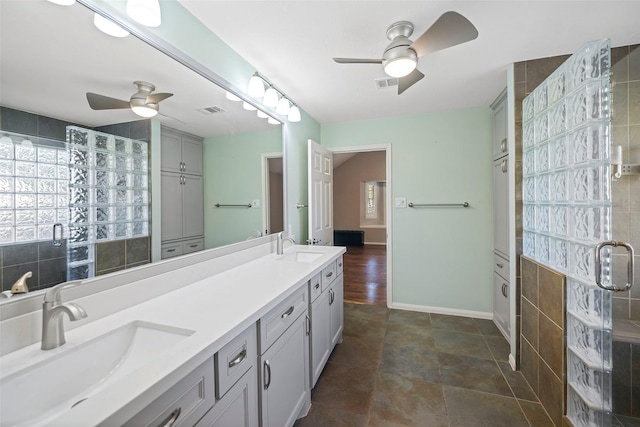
52	310
282	237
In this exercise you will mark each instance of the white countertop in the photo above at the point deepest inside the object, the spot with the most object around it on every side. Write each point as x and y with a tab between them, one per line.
217	308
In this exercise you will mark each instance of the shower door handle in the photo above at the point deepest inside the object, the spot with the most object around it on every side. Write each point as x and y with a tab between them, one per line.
598	266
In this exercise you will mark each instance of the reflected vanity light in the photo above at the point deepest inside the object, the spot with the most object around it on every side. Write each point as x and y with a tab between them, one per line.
248	106
273	121
145	12
262	114
232	97
109	27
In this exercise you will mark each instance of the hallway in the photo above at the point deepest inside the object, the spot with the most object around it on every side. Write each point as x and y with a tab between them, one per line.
365	275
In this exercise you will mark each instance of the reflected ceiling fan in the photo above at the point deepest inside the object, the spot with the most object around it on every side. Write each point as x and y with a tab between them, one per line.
400	57
144	103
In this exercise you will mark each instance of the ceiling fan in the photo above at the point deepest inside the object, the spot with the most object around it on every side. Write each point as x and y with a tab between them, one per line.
400	57
144	103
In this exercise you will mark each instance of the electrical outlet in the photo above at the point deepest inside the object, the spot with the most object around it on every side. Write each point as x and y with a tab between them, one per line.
255	203
401	202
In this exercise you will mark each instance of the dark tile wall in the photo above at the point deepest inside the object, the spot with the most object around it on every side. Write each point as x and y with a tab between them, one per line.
626	379
542	335
48	265
121	254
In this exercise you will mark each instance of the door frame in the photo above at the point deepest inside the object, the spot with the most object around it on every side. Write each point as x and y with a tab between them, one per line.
388	203
266	193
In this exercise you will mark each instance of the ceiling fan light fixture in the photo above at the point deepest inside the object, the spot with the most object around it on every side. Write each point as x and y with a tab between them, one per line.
256	86
400	67
294	114
146	110
270	97
145	12
109	27
283	106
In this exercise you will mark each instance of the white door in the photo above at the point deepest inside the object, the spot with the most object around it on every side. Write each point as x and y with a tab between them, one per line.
320	181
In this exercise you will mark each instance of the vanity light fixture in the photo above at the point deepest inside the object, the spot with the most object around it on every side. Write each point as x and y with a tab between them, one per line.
232	97
145	12
109	27
294	114
270	97
283	106
262	114
63	2
256	86
248	106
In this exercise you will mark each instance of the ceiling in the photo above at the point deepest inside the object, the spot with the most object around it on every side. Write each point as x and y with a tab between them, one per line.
292	43
51	55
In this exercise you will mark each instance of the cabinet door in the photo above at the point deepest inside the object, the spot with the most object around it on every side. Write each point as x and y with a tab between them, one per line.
320	335
501	206
238	408
501	304
171	189
192	206
500	147
284	377
171	151
192	155
336	308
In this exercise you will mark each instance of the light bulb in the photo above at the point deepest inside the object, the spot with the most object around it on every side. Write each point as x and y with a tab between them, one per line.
145	12
283	106
256	87
294	114
109	27
270	97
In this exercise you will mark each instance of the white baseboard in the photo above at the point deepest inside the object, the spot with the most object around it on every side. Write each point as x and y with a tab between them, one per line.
512	362
376	243
441	310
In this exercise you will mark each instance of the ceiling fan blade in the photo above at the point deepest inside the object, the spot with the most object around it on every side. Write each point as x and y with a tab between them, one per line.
101	102
407	81
357	61
157	97
449	30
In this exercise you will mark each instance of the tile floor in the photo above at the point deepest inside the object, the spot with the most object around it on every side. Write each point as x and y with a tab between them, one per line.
401	368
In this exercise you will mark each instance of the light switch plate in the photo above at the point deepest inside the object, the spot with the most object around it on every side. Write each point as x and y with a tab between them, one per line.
401	202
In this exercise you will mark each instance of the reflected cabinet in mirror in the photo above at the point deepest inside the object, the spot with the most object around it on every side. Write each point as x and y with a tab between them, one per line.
209	173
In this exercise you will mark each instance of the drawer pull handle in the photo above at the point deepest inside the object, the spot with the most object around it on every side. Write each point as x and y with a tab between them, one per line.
308	324
172	418
239	358
332	296
171	250
287	313
267	369
316	286
500	265
329	274
194	245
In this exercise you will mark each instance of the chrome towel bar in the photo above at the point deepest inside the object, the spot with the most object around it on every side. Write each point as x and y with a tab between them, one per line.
429	205
245	205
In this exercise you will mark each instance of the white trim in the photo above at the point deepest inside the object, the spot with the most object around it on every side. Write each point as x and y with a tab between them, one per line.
441	310
373	226
376	243
388	206
512	362
266	196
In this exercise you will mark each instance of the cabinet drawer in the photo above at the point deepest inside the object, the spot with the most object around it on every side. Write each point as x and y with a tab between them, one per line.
194	245
339	266
185	403
315	288
501	266
328	275
170	250
234	359
274	323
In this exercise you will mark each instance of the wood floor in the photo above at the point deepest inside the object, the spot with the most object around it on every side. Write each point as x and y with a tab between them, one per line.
365	275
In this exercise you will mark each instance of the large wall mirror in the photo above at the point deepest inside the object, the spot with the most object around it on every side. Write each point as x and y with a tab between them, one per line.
53	55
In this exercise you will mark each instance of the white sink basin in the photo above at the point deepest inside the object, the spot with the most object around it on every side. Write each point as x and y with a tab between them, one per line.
43	391
300	256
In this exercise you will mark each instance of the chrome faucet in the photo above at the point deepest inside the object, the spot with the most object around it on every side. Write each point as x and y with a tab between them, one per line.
52	310
282	237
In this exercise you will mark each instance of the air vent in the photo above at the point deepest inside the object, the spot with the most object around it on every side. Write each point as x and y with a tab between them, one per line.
211	110
386	82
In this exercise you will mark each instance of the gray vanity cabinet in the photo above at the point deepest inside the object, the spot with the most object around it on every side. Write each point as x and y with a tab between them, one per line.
284	362
182	193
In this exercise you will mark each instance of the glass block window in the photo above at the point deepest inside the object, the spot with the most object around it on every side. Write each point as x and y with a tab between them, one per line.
567	210
34	183
108	194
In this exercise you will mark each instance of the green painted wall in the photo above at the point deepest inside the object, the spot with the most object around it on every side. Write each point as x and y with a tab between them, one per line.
442	257
233	175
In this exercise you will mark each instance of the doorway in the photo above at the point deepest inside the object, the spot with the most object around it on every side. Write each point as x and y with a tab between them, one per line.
272	194
367	215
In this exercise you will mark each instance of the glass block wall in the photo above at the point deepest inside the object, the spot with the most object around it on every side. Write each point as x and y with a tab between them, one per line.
33	187
567	210
108	194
